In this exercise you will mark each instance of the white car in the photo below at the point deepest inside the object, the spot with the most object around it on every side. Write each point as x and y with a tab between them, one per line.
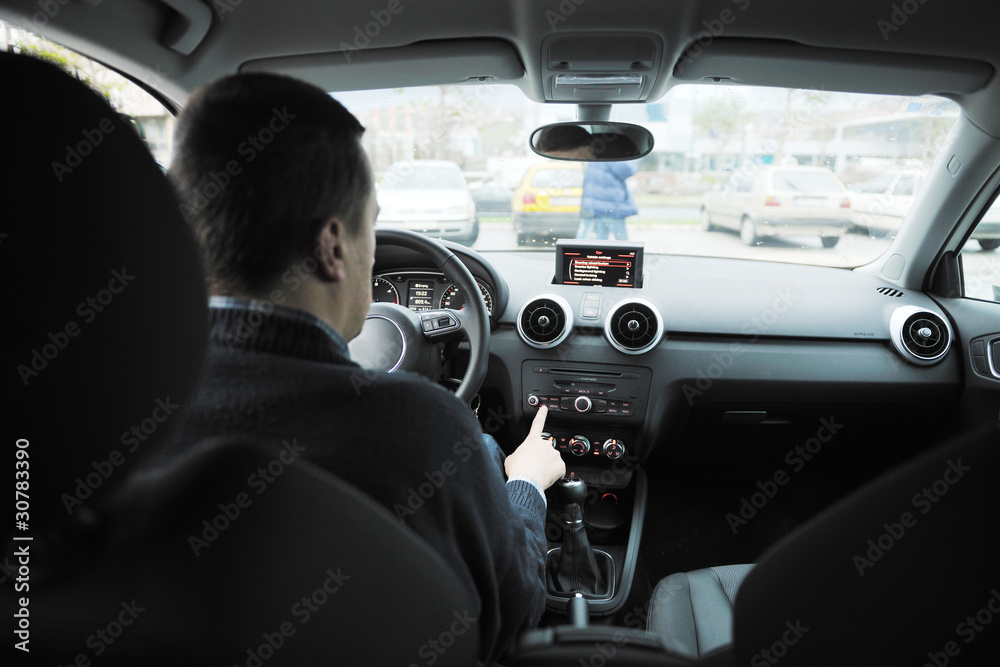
789	200
428	196
879	205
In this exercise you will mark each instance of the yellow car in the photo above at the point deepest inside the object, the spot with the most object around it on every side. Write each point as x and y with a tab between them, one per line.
546	204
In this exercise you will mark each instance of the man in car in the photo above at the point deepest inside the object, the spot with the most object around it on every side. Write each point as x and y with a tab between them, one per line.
278	190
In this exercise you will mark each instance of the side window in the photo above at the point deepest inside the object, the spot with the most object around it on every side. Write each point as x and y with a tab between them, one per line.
153	122
981	259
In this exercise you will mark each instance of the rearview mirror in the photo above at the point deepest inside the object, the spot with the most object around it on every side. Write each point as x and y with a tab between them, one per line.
592	142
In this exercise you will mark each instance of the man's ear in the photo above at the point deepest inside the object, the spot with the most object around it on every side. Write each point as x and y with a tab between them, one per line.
329	251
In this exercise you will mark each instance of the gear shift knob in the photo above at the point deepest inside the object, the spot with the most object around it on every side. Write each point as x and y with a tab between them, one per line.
571	490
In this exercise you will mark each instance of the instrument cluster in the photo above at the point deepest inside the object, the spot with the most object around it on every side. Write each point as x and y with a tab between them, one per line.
423	290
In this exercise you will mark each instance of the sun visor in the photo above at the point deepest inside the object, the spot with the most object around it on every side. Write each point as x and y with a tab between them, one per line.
431	63
761	62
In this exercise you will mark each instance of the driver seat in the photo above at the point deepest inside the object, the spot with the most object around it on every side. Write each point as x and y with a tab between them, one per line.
135	560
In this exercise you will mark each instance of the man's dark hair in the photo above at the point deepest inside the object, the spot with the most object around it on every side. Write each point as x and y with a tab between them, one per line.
261	162
563	138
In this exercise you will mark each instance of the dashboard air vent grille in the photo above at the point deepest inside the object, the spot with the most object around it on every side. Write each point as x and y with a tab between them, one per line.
889	291
921	336
545	321
634	326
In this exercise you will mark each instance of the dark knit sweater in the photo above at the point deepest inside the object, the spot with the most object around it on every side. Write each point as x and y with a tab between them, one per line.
287	376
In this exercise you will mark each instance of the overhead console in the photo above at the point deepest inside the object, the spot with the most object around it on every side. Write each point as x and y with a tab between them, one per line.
600	69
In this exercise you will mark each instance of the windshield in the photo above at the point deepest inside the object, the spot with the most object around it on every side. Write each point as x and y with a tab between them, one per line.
411	176
806	182
833	159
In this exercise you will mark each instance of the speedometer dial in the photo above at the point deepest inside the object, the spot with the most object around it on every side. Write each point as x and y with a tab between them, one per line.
384	292
454	299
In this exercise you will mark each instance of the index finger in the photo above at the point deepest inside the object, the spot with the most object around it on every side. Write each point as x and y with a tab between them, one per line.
538	423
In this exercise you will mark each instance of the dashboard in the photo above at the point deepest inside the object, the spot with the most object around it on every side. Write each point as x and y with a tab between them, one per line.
699	354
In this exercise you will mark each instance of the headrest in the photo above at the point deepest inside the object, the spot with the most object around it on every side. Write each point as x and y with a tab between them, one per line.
106	317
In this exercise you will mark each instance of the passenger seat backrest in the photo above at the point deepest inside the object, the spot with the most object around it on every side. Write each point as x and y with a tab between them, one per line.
900	573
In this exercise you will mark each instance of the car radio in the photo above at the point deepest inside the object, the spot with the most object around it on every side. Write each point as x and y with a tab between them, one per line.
598	391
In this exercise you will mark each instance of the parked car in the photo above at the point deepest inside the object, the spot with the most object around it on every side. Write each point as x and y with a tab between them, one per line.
428	196
491	197
879	205
546	204
765	200
987	232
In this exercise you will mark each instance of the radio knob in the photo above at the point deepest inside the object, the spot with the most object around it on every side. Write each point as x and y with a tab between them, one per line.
579	445
613	448
582	404
532	400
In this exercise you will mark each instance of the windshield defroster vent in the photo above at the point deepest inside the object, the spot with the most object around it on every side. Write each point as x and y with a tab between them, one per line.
889	291
923	337
634	326
545	321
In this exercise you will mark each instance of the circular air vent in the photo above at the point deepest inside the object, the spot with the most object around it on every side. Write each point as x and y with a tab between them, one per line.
634	326
923	337
545	321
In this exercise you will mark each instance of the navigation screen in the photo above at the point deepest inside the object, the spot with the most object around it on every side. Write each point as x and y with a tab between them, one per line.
599	263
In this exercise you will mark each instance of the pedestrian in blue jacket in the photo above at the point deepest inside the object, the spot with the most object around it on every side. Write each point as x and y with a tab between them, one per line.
606	200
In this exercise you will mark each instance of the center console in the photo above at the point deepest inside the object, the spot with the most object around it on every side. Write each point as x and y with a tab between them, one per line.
595	413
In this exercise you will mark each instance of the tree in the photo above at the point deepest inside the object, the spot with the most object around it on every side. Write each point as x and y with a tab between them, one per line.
723	120
105	82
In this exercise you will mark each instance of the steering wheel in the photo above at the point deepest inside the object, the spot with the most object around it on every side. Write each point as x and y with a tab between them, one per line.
395	337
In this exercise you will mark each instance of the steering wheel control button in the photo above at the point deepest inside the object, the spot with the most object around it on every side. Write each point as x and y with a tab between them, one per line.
582	404
613	448
434	321
579	445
